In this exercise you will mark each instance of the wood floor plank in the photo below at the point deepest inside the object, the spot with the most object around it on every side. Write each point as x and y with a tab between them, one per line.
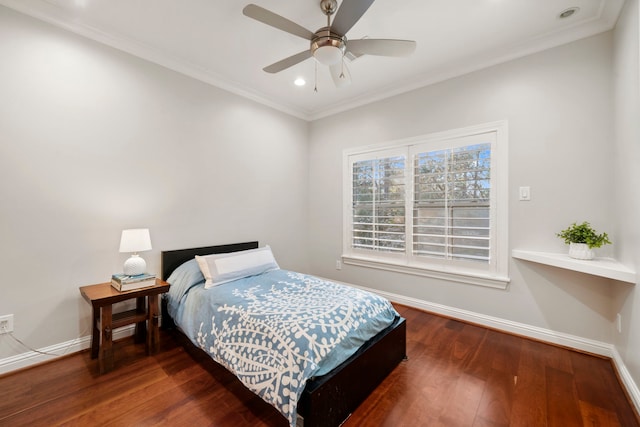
506	357
497	400
589	379
562	402
530	406
597	416
457	375
480	365
462	405
557	358
469	339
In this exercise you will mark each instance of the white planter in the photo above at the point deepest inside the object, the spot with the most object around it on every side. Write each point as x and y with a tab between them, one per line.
580	251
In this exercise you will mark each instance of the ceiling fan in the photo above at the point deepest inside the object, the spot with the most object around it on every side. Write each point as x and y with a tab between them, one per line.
329	45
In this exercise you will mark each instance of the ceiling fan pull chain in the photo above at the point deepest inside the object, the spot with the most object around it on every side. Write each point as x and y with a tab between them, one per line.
342	68
315	78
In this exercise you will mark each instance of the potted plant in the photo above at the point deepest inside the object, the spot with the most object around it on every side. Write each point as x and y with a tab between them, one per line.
582	238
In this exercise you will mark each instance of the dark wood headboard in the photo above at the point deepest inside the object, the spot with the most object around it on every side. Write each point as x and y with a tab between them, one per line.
174	259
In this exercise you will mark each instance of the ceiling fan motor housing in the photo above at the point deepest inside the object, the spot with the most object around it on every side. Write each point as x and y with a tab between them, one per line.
328	47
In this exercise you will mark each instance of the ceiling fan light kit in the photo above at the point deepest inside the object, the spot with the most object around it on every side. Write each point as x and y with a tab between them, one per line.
329	45
328	49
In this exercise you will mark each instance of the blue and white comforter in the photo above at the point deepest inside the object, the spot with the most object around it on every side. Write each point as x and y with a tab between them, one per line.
276	330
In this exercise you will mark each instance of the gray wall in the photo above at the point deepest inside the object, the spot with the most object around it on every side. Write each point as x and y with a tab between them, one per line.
627	176
559	107
93	141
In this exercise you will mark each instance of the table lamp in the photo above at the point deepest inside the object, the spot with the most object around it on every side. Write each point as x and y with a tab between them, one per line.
134	241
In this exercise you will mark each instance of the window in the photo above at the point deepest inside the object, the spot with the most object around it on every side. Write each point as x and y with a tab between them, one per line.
433	205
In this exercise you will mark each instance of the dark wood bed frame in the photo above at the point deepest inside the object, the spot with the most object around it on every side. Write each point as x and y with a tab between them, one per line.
330	399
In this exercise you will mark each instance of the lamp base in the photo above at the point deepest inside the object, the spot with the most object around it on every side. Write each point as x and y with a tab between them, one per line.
135	265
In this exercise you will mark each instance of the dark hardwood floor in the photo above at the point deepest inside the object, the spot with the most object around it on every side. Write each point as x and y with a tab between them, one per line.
457	375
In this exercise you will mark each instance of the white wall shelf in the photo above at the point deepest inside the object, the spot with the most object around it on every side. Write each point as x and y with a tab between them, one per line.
604	267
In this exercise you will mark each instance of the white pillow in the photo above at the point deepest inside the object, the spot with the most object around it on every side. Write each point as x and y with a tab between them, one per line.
222	268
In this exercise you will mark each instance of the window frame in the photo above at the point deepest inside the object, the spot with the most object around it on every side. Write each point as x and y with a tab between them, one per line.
493	274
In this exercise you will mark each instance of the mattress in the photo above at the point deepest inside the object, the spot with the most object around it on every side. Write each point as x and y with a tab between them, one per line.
278	329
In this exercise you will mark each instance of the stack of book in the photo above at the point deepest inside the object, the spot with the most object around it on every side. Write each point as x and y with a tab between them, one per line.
123	283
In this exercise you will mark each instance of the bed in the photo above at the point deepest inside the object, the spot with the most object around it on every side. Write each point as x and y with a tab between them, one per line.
327	398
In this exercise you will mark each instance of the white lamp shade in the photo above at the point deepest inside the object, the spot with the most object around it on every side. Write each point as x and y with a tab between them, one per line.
135	240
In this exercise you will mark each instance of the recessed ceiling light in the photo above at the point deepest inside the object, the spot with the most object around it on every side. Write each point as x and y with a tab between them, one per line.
568	12
299	82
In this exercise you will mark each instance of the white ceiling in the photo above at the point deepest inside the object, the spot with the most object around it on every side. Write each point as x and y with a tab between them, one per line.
213	41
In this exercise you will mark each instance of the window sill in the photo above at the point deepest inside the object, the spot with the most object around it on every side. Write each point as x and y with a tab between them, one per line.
497	282
604	267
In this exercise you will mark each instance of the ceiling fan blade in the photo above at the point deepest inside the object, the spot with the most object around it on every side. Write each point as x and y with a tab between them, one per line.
348	14
381	47
340	75
267	17
352	56
288	62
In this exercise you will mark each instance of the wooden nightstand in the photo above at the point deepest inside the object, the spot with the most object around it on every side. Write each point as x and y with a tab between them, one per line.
102	297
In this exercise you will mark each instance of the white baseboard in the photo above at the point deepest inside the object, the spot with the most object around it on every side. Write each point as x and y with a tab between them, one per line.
534	332
542	334
627	381
55	351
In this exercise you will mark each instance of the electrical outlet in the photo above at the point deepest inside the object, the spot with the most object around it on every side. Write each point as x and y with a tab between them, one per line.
338	264
6	324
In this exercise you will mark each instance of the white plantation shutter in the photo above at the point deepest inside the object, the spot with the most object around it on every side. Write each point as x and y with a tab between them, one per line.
451	203
433	206
378	204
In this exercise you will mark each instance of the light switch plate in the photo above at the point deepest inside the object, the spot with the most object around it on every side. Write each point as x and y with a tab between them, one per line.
6	324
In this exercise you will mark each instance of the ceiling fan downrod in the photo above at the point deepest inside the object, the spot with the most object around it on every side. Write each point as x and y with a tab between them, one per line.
328	8
327	47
